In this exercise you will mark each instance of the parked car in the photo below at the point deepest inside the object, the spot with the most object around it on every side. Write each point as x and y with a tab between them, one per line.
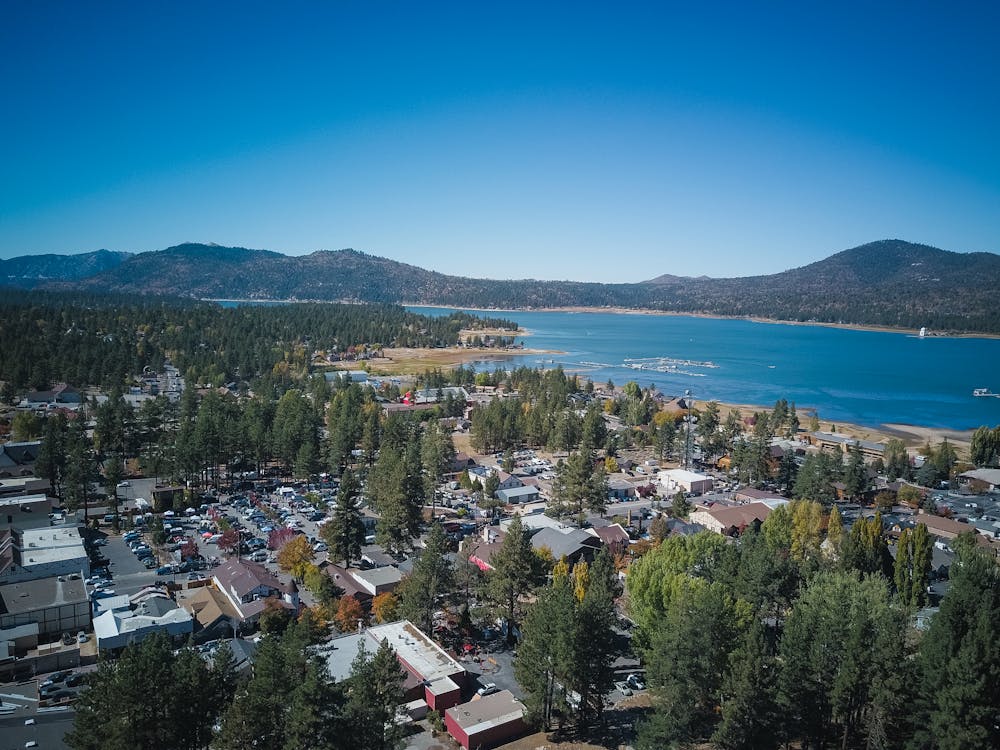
81	637
56	677
165	570
488	689
149	563
635	682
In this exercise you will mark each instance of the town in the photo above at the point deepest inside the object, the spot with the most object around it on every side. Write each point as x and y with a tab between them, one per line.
315	556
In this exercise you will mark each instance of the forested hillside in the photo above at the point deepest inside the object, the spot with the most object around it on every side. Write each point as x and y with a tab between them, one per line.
88	339
29	271
890	283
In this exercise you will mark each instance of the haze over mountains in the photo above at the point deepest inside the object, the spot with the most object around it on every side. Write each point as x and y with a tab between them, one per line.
890	282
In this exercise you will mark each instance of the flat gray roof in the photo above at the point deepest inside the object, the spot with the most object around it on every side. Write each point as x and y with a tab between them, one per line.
29	596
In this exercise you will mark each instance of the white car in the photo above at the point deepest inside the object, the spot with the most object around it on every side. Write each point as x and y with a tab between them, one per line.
488	689
320	547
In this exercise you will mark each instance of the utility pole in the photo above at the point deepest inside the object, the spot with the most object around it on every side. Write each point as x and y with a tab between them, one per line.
687	439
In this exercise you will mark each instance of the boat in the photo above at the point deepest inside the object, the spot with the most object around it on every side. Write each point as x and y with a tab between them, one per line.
923	332
984	393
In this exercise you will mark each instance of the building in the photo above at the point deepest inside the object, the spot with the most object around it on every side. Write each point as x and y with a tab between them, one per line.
614	537
18	459
682	480
573	544
518	495
730	520
840	444
990	477
41	553
25	511
753	495
58	604
487	721
248	586
59	396
942	527
118	628
432	675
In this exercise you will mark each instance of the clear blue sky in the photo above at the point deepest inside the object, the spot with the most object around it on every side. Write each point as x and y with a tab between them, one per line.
605	141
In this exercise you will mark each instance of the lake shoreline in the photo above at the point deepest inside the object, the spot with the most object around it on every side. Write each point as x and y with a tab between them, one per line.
710	316
640	311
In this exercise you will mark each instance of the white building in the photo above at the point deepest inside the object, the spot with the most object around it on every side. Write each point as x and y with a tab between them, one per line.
673	480
118	628
32	554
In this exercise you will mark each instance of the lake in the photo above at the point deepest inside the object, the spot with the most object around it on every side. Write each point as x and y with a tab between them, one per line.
865	377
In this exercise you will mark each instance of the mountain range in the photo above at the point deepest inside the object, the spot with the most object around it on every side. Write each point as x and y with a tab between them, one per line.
887	283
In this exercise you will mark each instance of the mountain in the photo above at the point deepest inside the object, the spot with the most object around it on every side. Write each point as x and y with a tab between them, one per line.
890	283
28	271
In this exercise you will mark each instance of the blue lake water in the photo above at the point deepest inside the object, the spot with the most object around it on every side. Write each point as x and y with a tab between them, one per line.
866	377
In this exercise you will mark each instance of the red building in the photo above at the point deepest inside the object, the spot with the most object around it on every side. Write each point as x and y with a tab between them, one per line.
486	722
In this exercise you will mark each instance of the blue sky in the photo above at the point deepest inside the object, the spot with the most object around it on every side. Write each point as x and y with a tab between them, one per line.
604	141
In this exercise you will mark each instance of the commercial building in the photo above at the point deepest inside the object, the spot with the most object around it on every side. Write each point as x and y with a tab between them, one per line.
486	722
41	553
431	673
25	512
674	480
58	604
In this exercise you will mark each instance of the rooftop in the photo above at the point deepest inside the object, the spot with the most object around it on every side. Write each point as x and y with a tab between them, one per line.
417	650
29	596
486	712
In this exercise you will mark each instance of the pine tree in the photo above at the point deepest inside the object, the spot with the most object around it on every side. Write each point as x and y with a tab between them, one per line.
750	716
513	573
958	688
432	576
345	532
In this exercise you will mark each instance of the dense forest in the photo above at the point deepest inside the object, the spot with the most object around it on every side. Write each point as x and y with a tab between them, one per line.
891	283
89	339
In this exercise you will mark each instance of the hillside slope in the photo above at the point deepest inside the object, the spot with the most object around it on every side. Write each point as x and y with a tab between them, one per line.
891	283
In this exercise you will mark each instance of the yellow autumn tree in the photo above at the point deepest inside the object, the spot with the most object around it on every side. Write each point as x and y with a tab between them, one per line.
296	556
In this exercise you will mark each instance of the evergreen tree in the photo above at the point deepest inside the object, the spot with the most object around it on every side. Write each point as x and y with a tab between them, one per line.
750	716
432	576
545	652
513	573
374	690
958	686
345	532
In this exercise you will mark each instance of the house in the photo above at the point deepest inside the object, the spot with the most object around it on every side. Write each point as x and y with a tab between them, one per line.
58	604
432	675
23	485
214	614
508	481
248	586
116	629
674	480
517	495
60	395
486	721
942	527
377	581
573	544
613	536
18	459
346	376
730	520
